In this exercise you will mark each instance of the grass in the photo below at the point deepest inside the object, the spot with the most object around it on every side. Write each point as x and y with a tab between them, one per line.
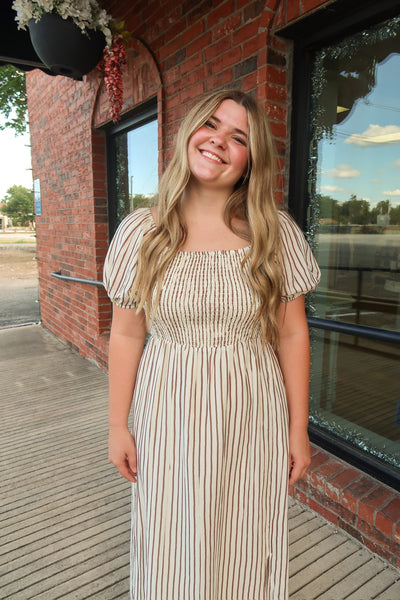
2	241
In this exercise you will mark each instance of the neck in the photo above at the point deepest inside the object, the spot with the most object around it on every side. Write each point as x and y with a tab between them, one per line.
200	200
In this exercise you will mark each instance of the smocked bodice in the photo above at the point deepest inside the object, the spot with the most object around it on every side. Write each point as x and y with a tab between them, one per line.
205	300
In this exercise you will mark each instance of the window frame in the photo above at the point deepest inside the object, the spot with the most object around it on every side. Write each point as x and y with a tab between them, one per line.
325	26
141	115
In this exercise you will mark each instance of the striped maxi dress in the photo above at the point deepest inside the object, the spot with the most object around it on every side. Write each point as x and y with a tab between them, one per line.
209	418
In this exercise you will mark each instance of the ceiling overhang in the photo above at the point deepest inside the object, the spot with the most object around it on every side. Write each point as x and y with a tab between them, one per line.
15	44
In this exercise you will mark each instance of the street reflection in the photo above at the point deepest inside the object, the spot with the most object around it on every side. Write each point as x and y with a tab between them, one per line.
354	229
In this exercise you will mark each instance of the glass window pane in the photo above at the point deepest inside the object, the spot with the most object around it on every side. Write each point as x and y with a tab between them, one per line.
143	163
136	155
355	392
354	226
357	142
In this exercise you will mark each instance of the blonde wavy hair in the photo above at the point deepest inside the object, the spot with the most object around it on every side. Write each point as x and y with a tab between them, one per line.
252	201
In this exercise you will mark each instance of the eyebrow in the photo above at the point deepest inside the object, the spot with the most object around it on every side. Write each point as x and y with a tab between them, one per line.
236	129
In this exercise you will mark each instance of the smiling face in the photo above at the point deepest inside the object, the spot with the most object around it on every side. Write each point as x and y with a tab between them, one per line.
218	151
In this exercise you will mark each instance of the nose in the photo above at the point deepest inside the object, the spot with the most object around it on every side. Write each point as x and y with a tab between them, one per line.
218	138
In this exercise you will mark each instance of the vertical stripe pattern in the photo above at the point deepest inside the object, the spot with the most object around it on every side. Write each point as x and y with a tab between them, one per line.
210	422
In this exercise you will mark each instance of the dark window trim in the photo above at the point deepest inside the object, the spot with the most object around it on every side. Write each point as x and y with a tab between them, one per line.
355	457
322	27
337	19
139	116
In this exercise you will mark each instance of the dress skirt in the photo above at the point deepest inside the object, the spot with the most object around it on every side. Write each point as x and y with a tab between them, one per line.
210	422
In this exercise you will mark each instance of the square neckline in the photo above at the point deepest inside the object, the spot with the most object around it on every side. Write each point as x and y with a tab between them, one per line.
219	251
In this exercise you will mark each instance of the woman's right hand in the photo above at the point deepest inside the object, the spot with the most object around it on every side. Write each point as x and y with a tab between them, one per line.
122	452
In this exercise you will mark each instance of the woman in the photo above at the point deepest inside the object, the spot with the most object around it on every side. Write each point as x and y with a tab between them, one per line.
220	393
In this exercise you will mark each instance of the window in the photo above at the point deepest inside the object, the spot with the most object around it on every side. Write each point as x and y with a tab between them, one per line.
132	163
351	210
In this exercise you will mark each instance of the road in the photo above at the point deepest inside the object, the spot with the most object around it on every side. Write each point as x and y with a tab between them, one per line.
19	287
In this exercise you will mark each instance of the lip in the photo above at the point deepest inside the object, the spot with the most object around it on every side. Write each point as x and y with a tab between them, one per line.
209	154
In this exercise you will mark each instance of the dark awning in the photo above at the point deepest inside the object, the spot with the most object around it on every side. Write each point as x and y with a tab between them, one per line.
15	45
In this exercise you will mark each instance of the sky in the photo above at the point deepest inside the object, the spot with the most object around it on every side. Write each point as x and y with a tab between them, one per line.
142	158
15	161
364	156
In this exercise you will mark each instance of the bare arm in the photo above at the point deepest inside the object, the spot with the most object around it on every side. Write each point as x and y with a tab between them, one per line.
128	334
294	358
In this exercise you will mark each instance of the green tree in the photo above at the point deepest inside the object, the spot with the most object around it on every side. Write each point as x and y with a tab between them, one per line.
13	102
19	205
382	208
395	215
355	211
139	200
328	207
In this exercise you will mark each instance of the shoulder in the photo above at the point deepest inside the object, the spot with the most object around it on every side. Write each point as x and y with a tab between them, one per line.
121	261
133	227
139	220
126	240
286	221
290	231
300	269
294	246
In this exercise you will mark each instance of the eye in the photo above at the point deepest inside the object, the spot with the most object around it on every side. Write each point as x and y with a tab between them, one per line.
210	125
240	140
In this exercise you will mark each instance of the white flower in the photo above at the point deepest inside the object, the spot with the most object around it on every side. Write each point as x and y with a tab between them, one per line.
86	14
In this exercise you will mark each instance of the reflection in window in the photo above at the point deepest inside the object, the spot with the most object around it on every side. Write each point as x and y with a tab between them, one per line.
354	223
137	168
133	168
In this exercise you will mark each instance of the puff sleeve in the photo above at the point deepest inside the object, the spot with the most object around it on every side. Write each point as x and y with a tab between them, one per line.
121	261
301	273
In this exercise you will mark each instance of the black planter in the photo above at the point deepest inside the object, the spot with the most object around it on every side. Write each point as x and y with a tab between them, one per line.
64	48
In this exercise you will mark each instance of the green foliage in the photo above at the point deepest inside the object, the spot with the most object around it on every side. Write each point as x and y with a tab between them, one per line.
395	215
13	102
328	208
139	200
355	211
382	208
19	205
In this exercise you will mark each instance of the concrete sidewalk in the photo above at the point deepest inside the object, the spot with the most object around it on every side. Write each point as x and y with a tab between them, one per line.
65	511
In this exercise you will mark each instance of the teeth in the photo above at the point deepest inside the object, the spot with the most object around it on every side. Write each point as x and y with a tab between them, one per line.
212	156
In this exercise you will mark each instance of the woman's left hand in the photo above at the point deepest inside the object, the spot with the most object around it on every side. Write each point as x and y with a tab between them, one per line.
299	454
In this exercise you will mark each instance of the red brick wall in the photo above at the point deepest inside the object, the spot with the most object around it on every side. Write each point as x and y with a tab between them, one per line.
362	506
73	225
178	52
291	10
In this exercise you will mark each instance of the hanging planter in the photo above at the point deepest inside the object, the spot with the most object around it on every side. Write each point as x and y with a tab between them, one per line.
72	36
64	48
